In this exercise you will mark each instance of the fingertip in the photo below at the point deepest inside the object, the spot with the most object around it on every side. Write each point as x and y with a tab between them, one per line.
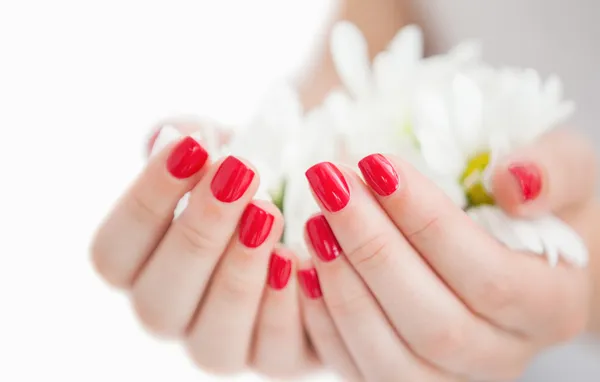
519	187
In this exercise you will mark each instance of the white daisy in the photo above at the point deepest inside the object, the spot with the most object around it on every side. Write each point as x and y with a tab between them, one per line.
462	117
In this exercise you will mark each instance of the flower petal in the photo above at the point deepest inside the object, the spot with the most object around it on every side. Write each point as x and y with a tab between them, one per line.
546	235
468	113
407	45
500	226
569	245
350	55
166	135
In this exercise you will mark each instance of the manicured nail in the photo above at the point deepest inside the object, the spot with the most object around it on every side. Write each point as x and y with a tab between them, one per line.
255	226
231	180
380	174
309	282
529	178
280	270
322	238
329	185
186	159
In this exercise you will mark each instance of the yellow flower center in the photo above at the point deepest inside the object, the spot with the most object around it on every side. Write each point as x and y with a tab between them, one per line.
472	180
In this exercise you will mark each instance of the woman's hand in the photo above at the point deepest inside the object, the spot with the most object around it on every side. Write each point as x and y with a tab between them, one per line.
414	290
202	276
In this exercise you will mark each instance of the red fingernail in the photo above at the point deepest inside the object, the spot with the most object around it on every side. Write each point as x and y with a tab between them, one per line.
186	159
380	174
529	178
280	270
231	180
322	238
255	226
329	185
309	282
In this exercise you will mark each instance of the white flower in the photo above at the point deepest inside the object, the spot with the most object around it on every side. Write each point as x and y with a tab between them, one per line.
462	117
451	116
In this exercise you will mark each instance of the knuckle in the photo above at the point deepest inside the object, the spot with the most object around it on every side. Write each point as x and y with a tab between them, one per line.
236	287
143	211
343	305
430	226
374	253
155	319
195	240
444	345
498	293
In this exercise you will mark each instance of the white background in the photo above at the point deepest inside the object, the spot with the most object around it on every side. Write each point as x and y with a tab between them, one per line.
81	83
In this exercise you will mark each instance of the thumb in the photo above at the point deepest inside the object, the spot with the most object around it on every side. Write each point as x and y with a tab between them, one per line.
554	173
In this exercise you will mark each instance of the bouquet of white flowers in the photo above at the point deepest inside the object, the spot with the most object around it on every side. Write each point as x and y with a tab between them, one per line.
451	116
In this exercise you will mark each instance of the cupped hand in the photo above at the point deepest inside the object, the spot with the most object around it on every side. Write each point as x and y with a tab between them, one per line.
214	276
403	285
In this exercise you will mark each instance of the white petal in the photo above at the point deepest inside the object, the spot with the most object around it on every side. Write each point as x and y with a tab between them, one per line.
468	113
569	245
499	147
437	145
166	135
547	235
298	206
182	205
350	55
500	226
407	45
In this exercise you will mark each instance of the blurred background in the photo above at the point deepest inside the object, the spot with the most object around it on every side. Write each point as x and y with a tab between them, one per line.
83	82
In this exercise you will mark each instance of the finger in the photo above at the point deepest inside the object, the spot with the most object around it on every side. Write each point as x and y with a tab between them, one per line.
168	290
280	346
552	174
221	334
409	292
321	329
140	219
357	315
512	290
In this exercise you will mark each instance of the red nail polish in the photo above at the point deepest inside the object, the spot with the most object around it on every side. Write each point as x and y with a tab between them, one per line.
231	180
280	270
186	159
322	238
309	282
380	174
255	226
329	185
529	178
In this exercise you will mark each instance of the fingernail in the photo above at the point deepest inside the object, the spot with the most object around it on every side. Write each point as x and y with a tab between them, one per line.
280	270
379	174
309	283
231	180
322	238
529	178
255	226
329	185
186	159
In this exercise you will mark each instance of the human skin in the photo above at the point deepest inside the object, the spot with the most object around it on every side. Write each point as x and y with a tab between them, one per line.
421	292
380	21
214	297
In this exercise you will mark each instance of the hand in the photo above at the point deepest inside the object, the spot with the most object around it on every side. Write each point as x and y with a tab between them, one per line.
201	277
413	290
